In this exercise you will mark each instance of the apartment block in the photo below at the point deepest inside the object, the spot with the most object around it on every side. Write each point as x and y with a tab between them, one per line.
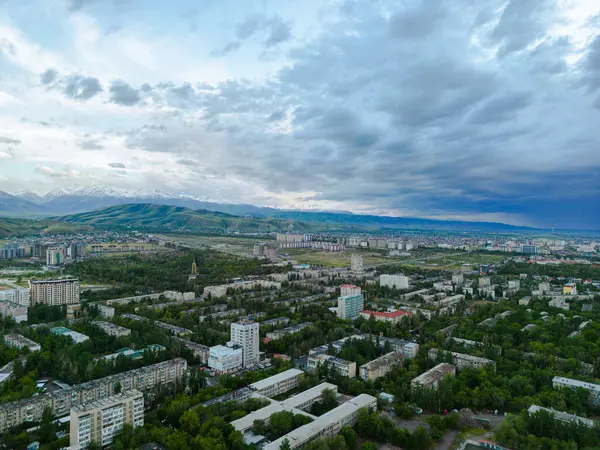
112	329
562	416
18	296
54	292
593	389
14	311
278	334
279	383
246	335
327	425
350	307
384	316
349	290
101	420
18	341
276	321
77	337
381	366
397	281
341	366
61	402
407	348
461	360
431	378
356	261
224	359
202	352
107	312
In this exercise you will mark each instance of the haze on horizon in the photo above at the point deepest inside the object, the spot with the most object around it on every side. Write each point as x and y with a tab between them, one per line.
463	110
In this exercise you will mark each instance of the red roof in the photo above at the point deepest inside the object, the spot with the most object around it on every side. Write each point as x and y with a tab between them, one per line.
391	315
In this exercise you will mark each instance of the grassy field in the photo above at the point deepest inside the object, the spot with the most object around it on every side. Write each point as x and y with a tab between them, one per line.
332	259
225	244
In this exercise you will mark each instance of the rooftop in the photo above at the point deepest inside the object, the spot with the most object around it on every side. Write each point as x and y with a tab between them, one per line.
435	373
385	360
576	383
562	416
278	378
126	395
391	315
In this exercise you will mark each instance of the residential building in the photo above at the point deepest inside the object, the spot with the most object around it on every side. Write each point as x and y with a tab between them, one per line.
349	290
544	287
465	342
134	354
381	366
393	317
18	296
202	352
107	312
514	285
341	366
112	329
78	338
279	383
349	307
327	425
356	263
529	327
484	282
466	268
570	289
55	256
18	341
529	249
431	378
407	348
14	311
562	416
101	420
461	360
54	292
559	303
12	250
278	334
61	401
225	359
276	321
397	281
458	279
246	335
593	389
524	301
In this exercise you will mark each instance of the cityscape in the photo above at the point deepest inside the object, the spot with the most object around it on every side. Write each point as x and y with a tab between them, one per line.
317	225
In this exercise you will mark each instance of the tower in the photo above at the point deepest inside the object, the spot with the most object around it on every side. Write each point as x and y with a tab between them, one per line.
194	268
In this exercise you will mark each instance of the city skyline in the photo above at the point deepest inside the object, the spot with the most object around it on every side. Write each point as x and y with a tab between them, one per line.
479	112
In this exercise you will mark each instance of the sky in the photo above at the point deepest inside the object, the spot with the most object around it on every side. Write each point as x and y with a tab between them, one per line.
481	110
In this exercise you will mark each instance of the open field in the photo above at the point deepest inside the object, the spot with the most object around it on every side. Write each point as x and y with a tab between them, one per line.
225	244
333	259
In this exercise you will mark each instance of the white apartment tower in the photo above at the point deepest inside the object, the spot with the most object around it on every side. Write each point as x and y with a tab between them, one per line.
101	420
356	263
245	334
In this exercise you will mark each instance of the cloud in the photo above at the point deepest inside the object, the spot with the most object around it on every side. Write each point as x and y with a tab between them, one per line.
5	140
278	32
123	94
90	144
78	87
64	173
77	5
117	165
227	49
48	76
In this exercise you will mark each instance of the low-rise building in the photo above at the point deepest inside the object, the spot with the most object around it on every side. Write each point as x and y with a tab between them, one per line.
570	289
327	425
78	338
278	334
461	360
101	420
562	416
349	290
18	341
279	383
458	279
107	312
202	352
524	301
465	342
407	348
593	389
393	317
559	303
14	311
225	359
514	285
112	329
431	378
341	366
529	327
381	366
276	321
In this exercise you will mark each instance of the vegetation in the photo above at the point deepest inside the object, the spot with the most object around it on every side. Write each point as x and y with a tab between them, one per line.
10	226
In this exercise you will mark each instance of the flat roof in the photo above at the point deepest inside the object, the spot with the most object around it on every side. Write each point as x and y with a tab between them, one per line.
562	416
278	378
576	383
309	394
302	434
100	403
391	315
387	359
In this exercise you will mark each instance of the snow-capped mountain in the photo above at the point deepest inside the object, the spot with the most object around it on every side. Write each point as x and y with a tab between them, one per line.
29	195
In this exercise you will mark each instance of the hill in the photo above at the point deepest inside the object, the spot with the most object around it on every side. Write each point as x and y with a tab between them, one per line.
24	227
166	217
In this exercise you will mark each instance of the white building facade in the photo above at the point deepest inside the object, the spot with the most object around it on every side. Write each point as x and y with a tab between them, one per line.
246	335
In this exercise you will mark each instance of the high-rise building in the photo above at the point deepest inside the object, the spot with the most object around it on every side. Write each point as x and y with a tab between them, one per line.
356	263
246	335
349	307
12	250
101	420
398	281
19	296
529	249
54	292
55	256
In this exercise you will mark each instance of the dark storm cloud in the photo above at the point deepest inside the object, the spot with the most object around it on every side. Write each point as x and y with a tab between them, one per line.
123	94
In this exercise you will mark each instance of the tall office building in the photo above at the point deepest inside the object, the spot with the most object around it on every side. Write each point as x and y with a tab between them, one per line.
101	420
54	292
350	306
356	263
245	334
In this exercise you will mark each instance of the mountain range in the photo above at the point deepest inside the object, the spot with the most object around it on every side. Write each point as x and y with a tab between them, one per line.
63	202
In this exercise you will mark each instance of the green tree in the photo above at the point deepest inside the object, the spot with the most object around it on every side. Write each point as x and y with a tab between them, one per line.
350	436
285	445
368	446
